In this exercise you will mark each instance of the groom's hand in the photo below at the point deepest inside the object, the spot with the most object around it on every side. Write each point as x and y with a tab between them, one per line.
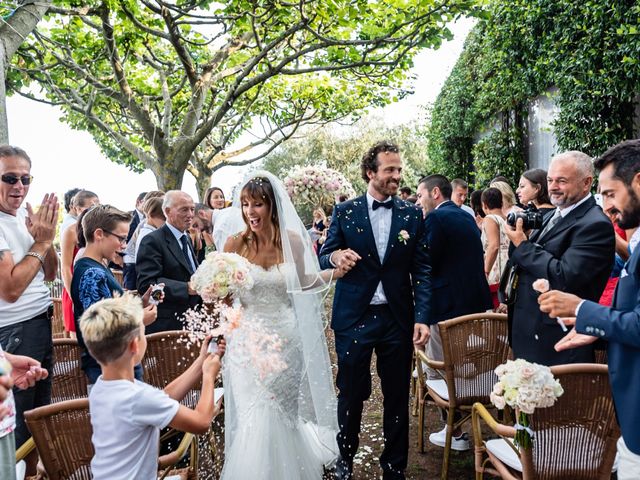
421	334
345	260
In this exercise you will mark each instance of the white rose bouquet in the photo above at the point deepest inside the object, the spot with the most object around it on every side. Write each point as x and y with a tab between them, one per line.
525	386
221	275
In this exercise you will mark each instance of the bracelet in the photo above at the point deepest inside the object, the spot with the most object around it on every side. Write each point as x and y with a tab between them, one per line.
35	255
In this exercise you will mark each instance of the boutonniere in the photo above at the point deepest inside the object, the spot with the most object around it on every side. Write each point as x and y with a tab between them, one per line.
403	236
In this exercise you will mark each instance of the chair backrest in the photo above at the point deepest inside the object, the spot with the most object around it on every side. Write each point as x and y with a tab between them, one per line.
62	434
168	355
576	437
119	276
473	346
57	320
68	381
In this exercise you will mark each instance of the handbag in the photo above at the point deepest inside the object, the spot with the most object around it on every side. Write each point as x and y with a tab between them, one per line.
508	284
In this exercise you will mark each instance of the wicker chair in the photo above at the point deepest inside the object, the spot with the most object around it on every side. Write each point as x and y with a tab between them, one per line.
575	438
473	346
119	276
57	321
68	381
168	355
62	436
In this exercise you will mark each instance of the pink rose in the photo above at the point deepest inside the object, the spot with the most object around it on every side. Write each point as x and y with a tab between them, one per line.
541	285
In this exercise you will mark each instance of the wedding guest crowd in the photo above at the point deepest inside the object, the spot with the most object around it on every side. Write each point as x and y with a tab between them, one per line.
445	259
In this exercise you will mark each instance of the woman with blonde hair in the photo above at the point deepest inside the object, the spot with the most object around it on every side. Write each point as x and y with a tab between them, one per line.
508	197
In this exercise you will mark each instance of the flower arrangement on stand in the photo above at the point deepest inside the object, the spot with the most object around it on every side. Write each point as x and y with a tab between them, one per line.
524	386
316	186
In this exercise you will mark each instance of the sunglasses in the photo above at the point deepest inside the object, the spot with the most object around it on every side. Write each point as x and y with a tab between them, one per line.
13	179
122	238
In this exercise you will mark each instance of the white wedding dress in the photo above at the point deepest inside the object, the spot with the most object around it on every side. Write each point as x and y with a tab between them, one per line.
270	429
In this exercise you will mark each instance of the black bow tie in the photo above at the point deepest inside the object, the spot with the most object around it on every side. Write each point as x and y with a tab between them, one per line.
377	204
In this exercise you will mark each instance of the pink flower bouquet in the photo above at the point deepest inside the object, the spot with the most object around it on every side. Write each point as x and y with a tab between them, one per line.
525	386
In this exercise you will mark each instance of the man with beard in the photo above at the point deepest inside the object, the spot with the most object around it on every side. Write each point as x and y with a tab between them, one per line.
382	304
619	325
574	251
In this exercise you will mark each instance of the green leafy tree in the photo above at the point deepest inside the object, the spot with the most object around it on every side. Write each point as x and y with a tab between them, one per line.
342	149
589	50
171	86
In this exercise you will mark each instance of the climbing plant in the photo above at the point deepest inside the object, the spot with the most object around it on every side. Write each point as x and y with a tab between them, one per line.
589	50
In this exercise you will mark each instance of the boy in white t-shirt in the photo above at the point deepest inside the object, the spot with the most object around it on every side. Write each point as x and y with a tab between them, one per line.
126	414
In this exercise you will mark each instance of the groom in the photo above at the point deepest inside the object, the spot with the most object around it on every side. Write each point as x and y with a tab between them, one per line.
381	304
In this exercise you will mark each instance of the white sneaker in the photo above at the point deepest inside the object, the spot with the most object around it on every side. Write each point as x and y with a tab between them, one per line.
460	443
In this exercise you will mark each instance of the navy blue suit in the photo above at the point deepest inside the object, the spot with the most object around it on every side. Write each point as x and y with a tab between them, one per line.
620	326
459	285
361	328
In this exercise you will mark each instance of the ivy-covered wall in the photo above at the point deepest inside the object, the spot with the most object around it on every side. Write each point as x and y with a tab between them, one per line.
589	50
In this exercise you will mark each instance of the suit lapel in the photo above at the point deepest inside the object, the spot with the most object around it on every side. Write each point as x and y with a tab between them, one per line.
571	218
396	221
175	249
361	209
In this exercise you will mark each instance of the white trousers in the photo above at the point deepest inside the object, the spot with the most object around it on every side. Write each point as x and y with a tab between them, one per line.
628	463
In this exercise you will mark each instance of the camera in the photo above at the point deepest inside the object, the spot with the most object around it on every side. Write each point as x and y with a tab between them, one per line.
531	218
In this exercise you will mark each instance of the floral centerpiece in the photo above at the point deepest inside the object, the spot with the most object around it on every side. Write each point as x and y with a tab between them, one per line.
316	186
524	386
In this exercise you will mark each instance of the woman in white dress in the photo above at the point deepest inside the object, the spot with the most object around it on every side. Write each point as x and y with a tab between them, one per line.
279	424
494	239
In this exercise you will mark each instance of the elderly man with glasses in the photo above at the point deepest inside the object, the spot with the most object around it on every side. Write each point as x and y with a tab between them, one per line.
27	259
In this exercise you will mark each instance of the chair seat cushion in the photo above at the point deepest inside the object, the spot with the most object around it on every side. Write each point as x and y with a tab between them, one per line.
439	387
499	448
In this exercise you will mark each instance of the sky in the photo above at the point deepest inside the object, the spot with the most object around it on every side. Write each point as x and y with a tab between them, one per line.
63	158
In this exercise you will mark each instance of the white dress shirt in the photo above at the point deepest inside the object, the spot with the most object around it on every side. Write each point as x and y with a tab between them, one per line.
381	227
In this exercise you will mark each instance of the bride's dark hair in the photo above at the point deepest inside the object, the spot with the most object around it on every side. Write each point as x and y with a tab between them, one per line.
260	188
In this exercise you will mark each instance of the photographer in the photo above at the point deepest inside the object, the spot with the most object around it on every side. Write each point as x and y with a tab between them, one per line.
574	250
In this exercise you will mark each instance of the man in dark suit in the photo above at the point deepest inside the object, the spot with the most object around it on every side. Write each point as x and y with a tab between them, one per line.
166	256
574	250
381	304
129	262
619	325
459	285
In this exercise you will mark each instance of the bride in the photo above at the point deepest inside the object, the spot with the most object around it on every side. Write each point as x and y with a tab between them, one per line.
278	425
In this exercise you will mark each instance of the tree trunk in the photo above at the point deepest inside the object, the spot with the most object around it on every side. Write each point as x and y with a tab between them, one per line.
203	182
14	29
4	124
169	178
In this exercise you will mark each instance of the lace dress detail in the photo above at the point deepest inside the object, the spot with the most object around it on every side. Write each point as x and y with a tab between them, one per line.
266	435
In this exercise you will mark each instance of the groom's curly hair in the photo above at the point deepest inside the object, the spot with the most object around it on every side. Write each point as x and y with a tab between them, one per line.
260	188
370	159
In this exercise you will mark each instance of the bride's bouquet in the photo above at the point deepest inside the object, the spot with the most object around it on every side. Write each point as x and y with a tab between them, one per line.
525	386
218	279
221	275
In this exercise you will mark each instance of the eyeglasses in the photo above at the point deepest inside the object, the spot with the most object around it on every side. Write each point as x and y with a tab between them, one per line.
13	179
122	238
